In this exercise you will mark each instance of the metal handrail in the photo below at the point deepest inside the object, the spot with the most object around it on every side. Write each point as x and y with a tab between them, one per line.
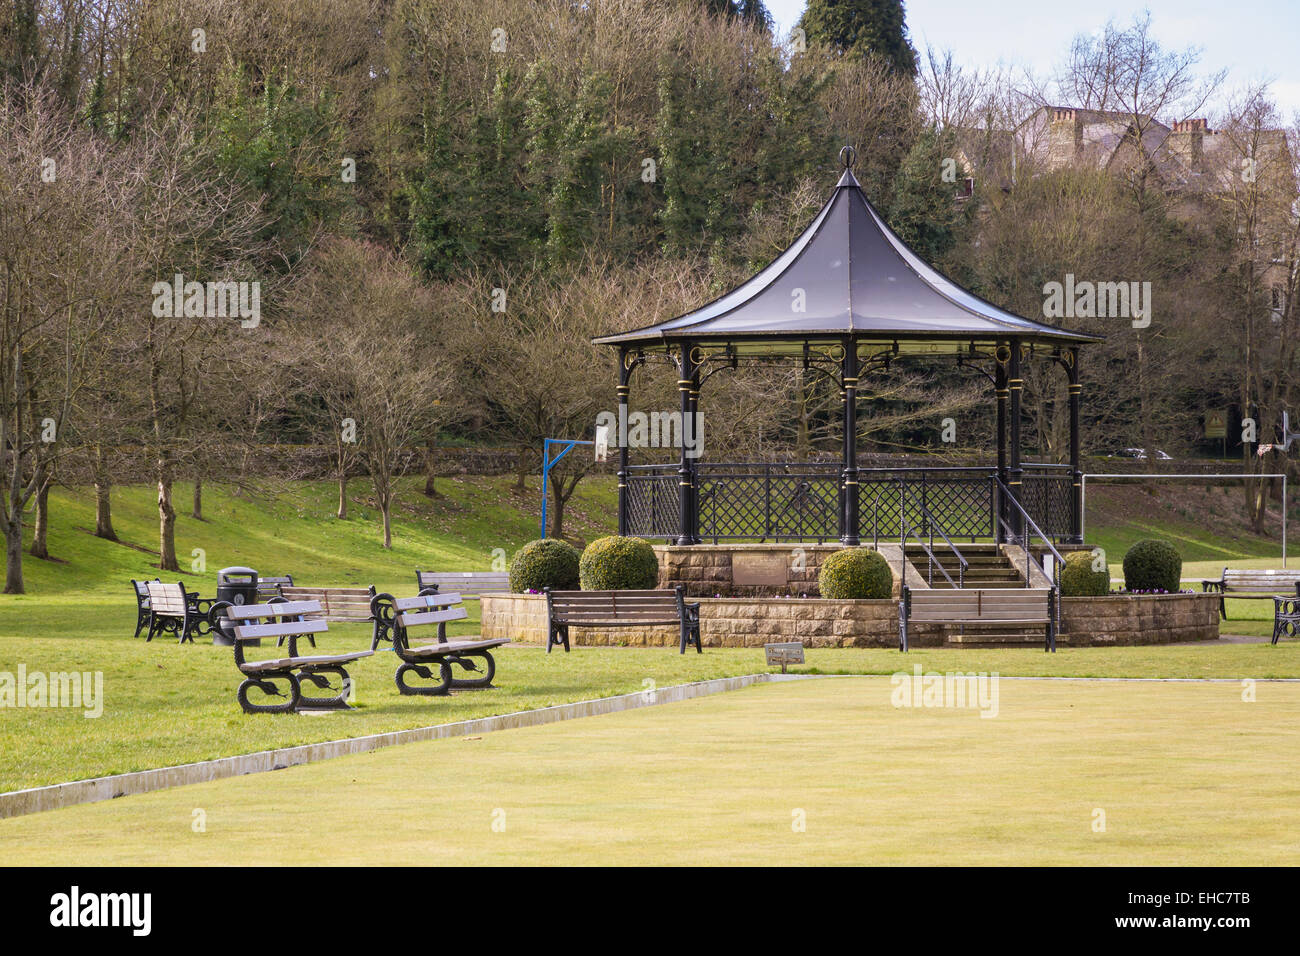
933	561
905	529
1006	493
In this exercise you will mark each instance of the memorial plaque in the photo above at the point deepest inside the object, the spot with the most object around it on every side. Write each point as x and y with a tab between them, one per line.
760	568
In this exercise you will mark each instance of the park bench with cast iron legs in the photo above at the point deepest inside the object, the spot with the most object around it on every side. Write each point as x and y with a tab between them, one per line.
1015	607
175	610
1251	585
143	615
289	620
400	615
628	609
1286	615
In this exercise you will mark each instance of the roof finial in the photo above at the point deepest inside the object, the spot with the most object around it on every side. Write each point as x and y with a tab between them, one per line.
848	156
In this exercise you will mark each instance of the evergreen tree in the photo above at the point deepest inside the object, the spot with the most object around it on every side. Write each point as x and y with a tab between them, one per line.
862	28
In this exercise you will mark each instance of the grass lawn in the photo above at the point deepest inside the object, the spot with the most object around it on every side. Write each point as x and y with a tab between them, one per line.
166	704
1184	774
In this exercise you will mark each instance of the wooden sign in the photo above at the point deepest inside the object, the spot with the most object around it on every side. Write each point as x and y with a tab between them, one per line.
760	568
784	653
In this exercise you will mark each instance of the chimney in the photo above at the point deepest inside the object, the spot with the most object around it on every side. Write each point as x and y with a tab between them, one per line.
1188	139
1064	137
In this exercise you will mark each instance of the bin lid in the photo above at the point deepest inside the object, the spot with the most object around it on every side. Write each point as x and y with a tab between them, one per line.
224	572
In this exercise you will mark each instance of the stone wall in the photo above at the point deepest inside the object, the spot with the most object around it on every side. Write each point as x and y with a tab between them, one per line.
1117	619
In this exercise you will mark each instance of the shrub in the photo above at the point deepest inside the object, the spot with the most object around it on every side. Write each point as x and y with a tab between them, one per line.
545	563
1153	565
619	564
855	573
1078	579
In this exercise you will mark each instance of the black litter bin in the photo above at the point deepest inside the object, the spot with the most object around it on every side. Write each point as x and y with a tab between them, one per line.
234	586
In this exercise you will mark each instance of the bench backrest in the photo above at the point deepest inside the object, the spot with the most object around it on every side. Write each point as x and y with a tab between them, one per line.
340	605
976	604
141	590
167	599
266	620
575	607
1261	581
465	583
270	587
428	609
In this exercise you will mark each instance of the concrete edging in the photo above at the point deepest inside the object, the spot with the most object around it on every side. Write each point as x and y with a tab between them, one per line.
54	796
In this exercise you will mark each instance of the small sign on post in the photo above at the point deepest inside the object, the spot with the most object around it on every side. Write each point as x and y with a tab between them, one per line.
784	653
1216	424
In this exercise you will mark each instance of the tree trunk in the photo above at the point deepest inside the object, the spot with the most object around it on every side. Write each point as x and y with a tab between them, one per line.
386	508
166	519
14	554
521	469
198	499
41	527
560	495
342	512
103	504
430	464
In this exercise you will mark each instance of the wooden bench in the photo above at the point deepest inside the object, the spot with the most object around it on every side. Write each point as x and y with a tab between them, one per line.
468	584
287	620
175	610
338	605
1286	615
401	615
143	617
620	609
1251	585
1018	607
268	588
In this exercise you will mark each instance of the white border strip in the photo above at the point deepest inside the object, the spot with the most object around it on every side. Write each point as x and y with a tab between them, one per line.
36	799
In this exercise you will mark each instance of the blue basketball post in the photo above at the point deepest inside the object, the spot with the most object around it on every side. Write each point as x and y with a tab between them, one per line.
548	463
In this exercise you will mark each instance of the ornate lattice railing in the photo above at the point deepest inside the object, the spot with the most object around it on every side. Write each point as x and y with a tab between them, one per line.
802	501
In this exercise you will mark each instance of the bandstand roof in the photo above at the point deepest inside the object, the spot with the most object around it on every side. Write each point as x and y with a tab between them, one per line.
858	278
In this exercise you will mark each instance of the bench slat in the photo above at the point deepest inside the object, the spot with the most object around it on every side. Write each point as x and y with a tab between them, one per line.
246	632
432	617
243	612
429	601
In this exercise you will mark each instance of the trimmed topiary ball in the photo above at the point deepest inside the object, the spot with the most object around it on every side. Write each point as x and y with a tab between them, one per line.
1078	579
1153	565
854	574
545	563
619	564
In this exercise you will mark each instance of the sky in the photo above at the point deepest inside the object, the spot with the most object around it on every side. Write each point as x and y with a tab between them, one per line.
1254	40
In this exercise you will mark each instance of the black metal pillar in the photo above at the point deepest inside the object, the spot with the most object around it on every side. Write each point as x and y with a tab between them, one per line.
1000	392
1015	386
697	438
1076	474
685	470
849	513
624	389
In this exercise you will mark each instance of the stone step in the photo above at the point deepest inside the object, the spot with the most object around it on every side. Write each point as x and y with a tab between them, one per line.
940	582
1035	638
